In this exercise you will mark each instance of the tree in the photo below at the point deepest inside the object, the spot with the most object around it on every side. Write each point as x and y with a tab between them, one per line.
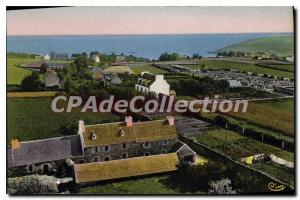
31	82
222	186
32	184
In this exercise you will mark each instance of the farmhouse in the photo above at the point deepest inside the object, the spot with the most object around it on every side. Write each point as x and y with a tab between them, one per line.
148	82
95	58
51	79
105	151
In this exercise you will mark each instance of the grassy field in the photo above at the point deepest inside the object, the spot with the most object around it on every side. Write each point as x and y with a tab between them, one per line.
275	115
278	45
152	185
32	118
149	68
15	74
216	64
289	68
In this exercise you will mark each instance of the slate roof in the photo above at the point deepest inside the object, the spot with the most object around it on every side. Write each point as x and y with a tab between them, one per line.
39	151
130	167
107	134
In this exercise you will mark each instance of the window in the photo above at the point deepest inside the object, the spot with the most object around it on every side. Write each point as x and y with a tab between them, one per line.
165	142
107	158
95	159
146	154
106	148
146	144
125	155
125	145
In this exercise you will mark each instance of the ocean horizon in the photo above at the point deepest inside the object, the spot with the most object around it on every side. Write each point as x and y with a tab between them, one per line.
142	45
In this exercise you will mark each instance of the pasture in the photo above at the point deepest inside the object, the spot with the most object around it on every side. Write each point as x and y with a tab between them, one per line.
274	115
15	73
149	68
32	119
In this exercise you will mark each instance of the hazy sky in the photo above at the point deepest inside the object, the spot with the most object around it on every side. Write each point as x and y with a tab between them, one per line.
149	20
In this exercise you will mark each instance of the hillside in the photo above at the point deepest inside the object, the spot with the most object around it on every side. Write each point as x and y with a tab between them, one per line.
278	45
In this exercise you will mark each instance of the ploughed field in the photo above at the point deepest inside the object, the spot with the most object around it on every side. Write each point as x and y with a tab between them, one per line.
33	118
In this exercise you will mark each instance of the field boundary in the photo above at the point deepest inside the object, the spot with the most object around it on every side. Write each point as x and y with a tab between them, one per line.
31	94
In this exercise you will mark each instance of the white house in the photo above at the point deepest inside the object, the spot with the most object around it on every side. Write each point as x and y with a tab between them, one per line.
234	83
46	57
152	83
95	58
51	78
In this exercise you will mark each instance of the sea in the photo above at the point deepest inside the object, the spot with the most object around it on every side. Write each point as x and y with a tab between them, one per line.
147	46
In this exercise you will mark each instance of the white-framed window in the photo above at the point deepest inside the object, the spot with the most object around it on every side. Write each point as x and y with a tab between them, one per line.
107	158
146	154
98	149
165	142
96	159
106	148
146	145
124	155
124	145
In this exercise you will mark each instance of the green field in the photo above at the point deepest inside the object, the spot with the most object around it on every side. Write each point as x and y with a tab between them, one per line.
278	45
152	185
149	68
32	118
239	147
275	115
216	64
15	74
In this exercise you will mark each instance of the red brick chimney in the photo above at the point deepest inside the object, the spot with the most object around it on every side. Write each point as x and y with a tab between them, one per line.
171	120
128	120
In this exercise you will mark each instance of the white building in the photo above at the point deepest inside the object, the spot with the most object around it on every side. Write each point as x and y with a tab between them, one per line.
152	83
51	78
234	83
95	58
46	57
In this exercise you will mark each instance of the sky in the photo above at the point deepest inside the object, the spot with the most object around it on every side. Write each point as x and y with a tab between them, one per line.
149	20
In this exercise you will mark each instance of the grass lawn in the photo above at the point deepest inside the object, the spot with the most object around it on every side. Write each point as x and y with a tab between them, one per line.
216	64
15	74
152	185
277	115
32	119
149	68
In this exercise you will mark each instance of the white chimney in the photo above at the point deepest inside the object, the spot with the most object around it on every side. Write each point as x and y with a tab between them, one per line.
81	128
171	120
128	120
